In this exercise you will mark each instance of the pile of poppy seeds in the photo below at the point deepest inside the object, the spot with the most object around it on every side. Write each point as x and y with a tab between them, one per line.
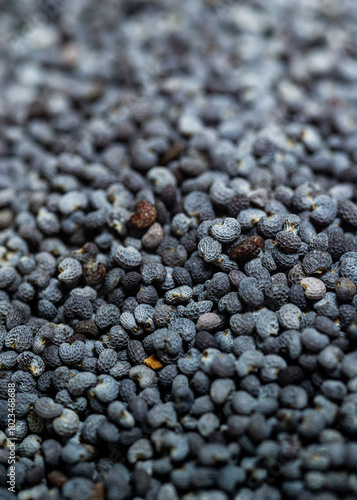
178	250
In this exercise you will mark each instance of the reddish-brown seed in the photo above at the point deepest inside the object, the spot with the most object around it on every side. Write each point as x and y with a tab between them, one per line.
57	478
247	248
98	492
144	215
94	272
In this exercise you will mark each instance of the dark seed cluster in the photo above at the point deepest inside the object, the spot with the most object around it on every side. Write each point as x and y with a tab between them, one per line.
178	249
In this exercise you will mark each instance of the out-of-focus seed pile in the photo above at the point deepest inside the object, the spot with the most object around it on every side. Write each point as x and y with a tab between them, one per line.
178	249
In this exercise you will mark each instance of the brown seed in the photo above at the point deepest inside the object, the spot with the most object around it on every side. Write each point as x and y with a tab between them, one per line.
87	328
153	237
57	478
144	215
345	289
94	272
77	336
70	54
153	362
173	152
247	248
6	218
98	492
